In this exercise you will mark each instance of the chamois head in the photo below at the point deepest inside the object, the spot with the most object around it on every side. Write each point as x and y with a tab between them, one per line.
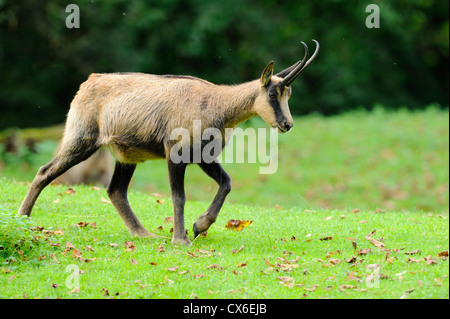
272	102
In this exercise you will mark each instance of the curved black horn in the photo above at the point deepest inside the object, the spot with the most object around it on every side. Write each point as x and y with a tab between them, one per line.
302	66
298	67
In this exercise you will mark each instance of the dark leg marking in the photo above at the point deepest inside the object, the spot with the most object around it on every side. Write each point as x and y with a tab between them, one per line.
117	192
216	172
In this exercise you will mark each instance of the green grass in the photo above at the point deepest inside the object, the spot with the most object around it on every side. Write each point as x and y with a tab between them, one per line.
392	166
274	233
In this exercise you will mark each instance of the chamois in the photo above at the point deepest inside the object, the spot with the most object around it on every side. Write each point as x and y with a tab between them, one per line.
133	115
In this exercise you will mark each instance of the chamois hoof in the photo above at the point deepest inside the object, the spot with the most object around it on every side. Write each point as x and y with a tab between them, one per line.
181	241
201	225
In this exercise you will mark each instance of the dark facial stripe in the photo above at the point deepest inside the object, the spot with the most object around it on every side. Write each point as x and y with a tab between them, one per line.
275	104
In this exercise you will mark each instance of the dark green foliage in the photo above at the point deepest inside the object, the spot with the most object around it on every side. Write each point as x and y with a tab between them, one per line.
404	62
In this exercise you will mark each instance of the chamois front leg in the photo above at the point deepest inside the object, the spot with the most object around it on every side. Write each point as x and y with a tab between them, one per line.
176	179
216	172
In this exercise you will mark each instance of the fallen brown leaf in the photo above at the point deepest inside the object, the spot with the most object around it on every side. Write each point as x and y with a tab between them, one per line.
70	191
59	232
168	220
191	254
327	238
76	254
54	257
268	263
285	279
69	245
82	224
351	260
214	266
417	251
364	251
104	200
129	246
430	261
75	290
412	260
237	225
240	249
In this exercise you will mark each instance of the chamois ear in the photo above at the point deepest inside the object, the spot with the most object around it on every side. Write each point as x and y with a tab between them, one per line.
267	74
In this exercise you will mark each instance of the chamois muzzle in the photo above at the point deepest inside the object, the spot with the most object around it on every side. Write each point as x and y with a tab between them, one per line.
285	126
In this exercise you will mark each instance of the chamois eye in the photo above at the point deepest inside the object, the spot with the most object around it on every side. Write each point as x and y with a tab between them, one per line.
272	96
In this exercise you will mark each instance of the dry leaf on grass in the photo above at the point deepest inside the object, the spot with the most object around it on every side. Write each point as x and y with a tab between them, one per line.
327	238
191	254
412	260
70	191
351	260
129	246
285	279
430	261
168	220
59	232
417	251
240	249
75	290
105	201
237	225
374	241
214	266
364	251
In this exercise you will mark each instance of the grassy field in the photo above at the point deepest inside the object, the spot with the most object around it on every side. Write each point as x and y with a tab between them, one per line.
285	253
339	179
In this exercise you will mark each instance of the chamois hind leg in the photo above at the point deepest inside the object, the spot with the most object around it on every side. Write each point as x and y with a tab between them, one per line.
176	179
71	153
216	172
117	192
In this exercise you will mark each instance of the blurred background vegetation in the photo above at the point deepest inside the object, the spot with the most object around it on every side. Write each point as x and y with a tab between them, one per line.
401	65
